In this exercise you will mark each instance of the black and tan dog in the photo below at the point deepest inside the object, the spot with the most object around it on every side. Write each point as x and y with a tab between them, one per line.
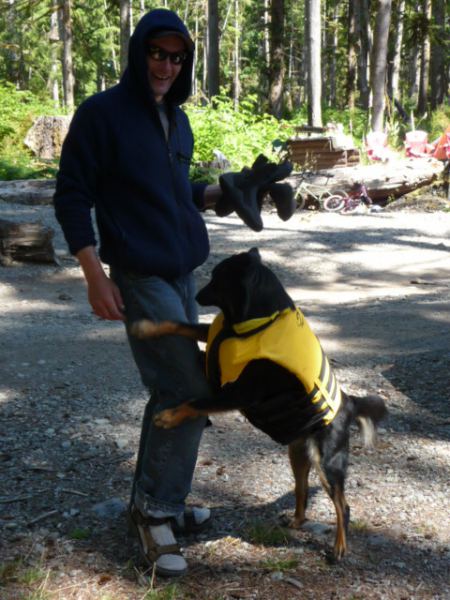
263	359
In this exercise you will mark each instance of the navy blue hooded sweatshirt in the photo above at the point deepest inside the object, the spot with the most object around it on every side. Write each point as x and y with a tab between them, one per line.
116	159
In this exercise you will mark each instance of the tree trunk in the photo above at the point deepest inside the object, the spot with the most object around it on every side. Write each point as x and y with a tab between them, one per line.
378	63
425	61
277	67
11	52
196	37
394	83
186	11
266	37
53	81
213	49
237	69
125	32
111	39
352	53
313	38
437	67
332	46
205	62
67	65
414	61
289	90
414	73
365	37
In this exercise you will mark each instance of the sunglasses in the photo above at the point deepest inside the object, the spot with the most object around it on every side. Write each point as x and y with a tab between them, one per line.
160	55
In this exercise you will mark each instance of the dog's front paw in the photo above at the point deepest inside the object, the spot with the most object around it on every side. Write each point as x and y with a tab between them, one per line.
144	329
168	418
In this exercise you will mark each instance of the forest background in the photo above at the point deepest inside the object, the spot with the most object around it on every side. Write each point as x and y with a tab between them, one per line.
261	68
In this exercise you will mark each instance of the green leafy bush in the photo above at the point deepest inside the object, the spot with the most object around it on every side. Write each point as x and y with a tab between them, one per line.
18	109
239	134
438	121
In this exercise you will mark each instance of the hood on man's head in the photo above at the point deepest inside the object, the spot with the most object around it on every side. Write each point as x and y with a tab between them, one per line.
152	25
166	32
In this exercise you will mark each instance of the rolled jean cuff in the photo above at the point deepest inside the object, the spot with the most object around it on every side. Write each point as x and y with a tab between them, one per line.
150	507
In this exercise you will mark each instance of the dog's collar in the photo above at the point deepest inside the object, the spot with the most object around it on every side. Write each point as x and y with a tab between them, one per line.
254	325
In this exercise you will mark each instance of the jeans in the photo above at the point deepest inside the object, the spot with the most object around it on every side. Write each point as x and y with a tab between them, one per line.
171	368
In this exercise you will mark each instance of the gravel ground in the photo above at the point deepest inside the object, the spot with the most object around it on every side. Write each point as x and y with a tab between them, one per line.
376	288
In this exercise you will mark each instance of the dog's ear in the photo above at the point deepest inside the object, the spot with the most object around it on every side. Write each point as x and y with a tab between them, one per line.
255	255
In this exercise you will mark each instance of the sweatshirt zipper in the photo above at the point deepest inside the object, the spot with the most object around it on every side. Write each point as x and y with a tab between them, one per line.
172	170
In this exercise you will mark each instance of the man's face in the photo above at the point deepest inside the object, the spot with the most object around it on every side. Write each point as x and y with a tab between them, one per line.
162	73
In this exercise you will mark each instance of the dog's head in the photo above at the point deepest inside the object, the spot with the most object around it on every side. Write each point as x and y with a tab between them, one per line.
243	288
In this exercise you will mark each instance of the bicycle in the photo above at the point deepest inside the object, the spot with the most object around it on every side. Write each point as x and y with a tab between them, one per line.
348	203
311	193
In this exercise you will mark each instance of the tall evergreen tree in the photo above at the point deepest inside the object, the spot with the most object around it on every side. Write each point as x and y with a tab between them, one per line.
378	63
313	39
277	64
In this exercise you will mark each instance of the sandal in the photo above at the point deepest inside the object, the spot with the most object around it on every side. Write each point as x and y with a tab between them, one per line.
192	520
157	544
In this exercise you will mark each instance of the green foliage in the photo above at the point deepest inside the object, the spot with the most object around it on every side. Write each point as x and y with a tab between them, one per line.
170	592
438	121
9	571
267	534
18	109
80	534
239	134
96	48
21	165
281	564
359	526
34	578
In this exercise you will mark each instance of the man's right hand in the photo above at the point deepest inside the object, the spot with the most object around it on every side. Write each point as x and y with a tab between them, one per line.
105	298
103	294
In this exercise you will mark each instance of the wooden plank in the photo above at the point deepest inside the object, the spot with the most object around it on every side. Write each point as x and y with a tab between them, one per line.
319	153
310	129
305	144
325	160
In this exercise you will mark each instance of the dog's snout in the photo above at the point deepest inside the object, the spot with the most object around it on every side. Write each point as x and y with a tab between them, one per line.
205	296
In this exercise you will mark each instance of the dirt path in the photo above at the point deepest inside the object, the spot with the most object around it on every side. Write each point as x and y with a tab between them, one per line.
376	287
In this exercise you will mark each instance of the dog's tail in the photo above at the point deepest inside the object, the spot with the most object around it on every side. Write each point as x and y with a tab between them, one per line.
368	412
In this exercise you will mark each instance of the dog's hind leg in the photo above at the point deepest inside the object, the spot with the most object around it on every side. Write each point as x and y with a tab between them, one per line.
342	520
334	471
301	465
332	468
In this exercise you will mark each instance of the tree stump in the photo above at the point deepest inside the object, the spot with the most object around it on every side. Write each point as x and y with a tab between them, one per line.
26	242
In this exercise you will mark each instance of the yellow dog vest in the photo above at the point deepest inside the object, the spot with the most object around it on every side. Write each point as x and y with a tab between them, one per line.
286	339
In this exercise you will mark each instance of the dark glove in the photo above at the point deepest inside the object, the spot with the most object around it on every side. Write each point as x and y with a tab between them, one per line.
244	191
282	195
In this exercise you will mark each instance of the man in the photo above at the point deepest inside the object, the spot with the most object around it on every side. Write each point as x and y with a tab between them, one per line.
127	156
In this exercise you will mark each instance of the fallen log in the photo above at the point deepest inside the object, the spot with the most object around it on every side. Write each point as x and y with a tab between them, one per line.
26	242
382	180
28	191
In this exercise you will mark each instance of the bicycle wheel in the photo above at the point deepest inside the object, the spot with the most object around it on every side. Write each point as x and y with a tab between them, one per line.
334	203
351	206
